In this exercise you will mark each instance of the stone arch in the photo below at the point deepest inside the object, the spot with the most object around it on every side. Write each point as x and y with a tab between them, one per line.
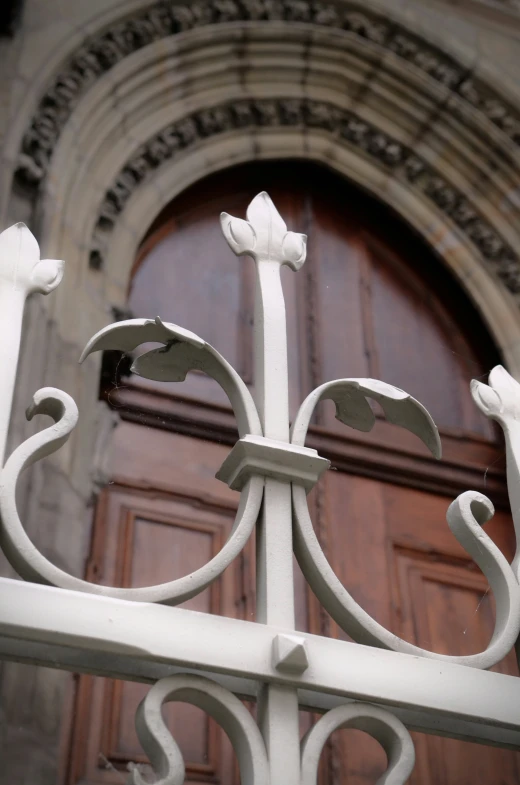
235	148
306	89
81	61
198	88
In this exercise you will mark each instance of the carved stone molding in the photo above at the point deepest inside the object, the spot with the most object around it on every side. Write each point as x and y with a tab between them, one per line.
166	18
344	126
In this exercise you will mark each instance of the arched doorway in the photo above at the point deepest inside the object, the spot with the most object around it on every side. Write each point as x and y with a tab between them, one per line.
371	301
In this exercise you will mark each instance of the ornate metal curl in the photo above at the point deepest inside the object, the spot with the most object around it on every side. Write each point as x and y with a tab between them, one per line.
219	703
274	471
166	757
181	351
378	723
264	236
465	516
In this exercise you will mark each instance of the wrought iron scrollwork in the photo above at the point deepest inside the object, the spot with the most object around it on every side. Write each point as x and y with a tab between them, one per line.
181	351
274	471
378	723
232	716
466	516
228	711
265	237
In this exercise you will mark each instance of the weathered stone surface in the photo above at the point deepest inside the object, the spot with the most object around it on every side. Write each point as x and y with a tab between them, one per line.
346	127
103	52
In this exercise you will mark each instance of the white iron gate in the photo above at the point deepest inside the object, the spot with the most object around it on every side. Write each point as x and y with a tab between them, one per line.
380	684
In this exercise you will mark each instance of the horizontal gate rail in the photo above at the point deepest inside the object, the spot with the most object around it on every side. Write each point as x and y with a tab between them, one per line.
143	642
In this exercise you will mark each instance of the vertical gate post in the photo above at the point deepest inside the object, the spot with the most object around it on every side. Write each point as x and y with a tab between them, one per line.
264	236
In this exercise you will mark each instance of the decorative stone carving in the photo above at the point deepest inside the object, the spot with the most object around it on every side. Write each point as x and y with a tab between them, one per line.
167	18
315	114
435	63
481	96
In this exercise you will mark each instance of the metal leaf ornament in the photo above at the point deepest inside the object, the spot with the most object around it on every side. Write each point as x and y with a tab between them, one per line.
181	352
129	334
264	235
170	362
353	409
466	514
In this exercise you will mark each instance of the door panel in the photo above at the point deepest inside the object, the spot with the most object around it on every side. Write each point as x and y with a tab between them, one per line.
144	535
371	300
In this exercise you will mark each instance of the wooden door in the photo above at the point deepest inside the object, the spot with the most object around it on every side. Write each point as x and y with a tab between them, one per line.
371	300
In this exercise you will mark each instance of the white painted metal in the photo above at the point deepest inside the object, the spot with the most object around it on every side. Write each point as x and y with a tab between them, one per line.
222	705
352	408
383	726
22	273
465	517
501	402
141	642
265	238
76	625
32	565
279	460
155	634
289	653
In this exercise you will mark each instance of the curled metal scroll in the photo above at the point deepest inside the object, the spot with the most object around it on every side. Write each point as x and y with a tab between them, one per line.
378	723
181	352
465	516
230	713
500	401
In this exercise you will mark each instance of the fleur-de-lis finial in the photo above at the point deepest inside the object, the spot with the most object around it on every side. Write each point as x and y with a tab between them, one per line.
22	273
265	238
21	266
500	401
264	235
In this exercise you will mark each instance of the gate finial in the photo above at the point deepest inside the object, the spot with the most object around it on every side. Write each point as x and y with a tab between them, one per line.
22	273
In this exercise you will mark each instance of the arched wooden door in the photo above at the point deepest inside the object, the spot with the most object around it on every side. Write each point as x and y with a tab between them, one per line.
370	301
